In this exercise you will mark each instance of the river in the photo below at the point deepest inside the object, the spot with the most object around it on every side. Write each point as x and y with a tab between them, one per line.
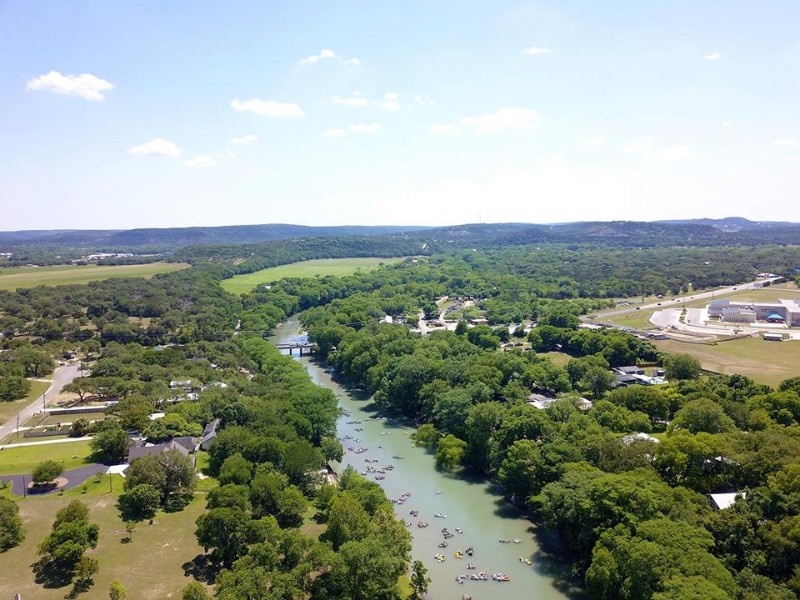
473	506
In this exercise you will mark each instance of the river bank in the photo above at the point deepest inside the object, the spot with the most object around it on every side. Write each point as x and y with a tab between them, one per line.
476	507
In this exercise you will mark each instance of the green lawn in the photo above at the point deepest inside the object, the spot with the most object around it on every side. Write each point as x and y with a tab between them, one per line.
25	277
151	566
559	359
18	461
11	408
326	266
765	362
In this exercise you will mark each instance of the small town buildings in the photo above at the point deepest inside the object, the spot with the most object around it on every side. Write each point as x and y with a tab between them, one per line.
781	312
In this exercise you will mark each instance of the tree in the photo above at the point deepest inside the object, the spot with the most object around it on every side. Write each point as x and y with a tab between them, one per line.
70	537
426	436
229	532
347	521
117	591
702	415
681	366
236	470
171	473
170	426
47	471
461	327
195	591
521	470
11	533
139	502
112	442
13	387
450	452
419	580
332	449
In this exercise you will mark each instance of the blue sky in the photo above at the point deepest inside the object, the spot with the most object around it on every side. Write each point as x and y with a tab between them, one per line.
159	114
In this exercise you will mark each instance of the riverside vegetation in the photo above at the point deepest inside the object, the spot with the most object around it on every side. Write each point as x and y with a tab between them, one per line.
631	516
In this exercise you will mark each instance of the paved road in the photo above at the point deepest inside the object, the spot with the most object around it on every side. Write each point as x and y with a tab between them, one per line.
679	301
61	377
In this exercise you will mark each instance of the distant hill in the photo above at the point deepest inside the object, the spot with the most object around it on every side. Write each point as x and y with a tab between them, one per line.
172	238
206	241
733	223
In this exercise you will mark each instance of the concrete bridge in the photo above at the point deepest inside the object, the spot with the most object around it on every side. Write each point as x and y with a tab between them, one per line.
301	347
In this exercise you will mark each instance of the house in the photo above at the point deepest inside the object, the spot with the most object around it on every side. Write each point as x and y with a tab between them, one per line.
624	380
726	500
543	402
630	370
209	435
150	449
181	384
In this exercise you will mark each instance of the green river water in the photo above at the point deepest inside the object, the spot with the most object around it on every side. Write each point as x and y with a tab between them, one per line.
474	506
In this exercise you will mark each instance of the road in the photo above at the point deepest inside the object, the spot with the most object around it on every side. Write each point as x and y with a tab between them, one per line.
679	301
61	377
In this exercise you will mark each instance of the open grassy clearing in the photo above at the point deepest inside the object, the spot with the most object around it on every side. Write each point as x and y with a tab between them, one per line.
11	408
326	266
765	362
25	277
559	359
18	461
150	566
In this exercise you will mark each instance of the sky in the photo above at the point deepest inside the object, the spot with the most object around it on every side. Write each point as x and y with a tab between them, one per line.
115	115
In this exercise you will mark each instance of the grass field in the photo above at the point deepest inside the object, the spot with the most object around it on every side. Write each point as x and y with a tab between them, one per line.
151	566
25	277
765	362
18	461
11	408
326	266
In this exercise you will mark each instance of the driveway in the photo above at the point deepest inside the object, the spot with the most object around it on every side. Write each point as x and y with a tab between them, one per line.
74	477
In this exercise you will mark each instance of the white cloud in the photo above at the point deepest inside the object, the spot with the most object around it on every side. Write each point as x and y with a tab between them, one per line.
227	153
421	101
157	147
650	153
243	140
503	119
593	141
643	146
391	101
200	161
334	132
670	154
787	142
356	100
444	129
268	108
85	85
726	124
712	56
355	61
324	53
537	51
364	127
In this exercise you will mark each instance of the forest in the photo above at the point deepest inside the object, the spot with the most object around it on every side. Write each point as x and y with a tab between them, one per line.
631	508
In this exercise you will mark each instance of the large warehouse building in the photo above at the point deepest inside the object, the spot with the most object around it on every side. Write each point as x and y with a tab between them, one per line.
781	312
